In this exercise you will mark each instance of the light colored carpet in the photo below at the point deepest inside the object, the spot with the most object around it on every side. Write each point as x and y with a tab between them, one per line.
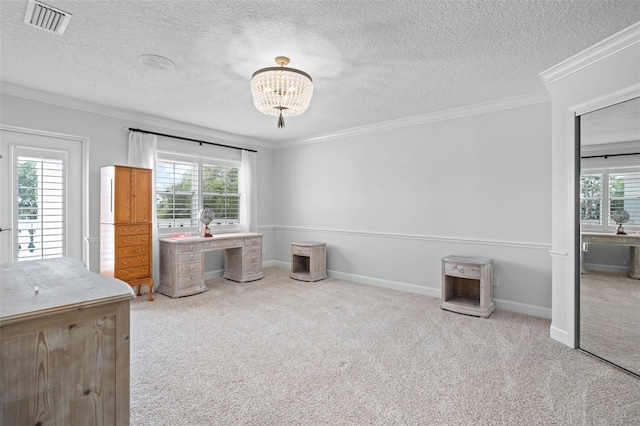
284	352
610	318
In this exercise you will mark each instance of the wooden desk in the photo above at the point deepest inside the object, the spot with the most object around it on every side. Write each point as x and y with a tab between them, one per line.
631	240
182	261
64	350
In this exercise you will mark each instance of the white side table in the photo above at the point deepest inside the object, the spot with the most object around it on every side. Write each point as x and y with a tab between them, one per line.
466	285
308	261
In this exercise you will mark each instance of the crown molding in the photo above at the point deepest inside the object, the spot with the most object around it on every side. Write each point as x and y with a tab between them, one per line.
476	109
128	115
607	47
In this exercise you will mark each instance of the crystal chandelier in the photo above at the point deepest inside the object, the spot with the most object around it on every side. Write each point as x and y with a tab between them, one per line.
281	91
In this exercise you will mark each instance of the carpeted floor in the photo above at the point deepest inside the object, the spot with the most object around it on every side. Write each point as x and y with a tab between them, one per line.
610	317
284	352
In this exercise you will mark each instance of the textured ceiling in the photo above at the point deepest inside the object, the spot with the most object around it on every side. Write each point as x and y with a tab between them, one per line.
371	61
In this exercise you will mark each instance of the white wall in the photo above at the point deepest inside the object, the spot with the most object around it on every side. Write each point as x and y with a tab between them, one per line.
391	204
605	74
108	144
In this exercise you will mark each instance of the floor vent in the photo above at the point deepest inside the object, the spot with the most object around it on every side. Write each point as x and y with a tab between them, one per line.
46	18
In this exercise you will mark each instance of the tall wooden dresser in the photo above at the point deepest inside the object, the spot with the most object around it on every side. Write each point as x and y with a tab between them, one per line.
126	225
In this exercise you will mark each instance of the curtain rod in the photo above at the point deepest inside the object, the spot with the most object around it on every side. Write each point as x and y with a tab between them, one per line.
191	140
610	155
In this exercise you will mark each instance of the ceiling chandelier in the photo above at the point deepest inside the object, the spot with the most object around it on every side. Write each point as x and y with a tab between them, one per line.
281	91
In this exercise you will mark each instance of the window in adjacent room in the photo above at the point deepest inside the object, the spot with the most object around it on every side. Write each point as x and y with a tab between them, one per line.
605	191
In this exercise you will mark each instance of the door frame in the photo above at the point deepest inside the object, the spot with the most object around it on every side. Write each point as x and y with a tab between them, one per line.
84	201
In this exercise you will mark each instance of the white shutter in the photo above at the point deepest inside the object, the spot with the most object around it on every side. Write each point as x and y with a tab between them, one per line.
41	203
177	192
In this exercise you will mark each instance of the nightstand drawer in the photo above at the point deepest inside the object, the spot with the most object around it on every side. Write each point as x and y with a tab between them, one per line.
303	251
463	271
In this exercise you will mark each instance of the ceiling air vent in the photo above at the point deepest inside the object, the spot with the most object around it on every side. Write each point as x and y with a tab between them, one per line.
46	18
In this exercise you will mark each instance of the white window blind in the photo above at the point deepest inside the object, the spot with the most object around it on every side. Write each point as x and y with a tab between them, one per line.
591	199
176	193
40	182
220	193
605	191
185	184
624	194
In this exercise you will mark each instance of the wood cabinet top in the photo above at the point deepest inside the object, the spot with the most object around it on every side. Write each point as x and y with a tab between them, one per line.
63	284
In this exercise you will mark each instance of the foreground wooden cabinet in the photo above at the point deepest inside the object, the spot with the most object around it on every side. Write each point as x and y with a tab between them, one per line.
126	225
64	345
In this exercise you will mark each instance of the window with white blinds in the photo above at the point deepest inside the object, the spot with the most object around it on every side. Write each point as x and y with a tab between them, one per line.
41	203
186	184
606	191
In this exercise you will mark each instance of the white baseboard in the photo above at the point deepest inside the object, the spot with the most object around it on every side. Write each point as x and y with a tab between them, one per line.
560	335
605	268
212	275
523	308
519	308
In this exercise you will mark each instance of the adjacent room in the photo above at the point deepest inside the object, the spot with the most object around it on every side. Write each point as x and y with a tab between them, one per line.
333	212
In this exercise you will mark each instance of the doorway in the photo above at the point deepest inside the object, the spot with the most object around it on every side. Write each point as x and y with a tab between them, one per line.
42	192
608	234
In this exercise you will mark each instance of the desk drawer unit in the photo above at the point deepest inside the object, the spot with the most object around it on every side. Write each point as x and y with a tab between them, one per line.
181	268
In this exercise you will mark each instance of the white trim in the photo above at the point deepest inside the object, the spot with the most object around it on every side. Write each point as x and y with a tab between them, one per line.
607	47
522	245
560	335
465	111
84	202
124	114
168	123
523	308
610	99
520	308
557	253
605	268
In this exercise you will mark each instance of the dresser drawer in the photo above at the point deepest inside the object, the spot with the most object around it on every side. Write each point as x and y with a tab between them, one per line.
132	229
253	240
194	268
252	248
463	271
304	251
131	240
252	268
133	261
190	281
189	257
253	259
223	244
189	247
132	251
129	273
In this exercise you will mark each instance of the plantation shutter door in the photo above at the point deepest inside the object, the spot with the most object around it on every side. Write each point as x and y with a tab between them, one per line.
40	196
